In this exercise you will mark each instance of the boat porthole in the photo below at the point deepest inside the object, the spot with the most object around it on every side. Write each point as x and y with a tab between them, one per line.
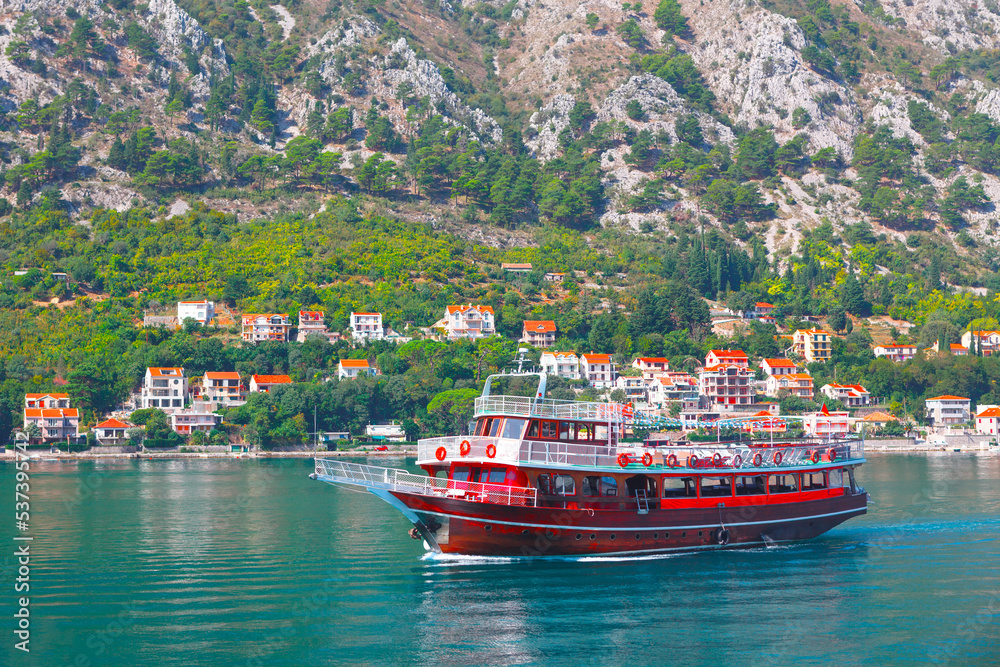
699	533
579	536
655	535
612	536
638	536
487	528
593	537
524	532
666	536
684	533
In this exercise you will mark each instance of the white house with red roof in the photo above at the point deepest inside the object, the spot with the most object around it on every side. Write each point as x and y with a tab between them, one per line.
988	420
598	370
539	333
729	357
50	400
348	369
261	327
947	410
895	352
164	388
955	349
778	367
112	432
202	312
469	321
265	383
224	388
763	311
793	384
564	364
851	395
194	419
367	326
311	323
54	424
651	367
985	342
728	384
672	386
826	424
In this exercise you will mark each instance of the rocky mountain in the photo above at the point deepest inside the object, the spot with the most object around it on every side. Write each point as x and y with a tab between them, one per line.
763	120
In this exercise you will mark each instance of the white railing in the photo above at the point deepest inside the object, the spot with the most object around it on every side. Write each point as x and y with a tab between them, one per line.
393	479
524	406
706	455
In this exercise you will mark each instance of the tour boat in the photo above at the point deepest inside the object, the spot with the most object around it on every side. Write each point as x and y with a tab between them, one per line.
546	477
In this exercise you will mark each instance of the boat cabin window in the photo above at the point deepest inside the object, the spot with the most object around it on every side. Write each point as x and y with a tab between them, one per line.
512	428
813	480
782	484
496	476
599	486
678	487
584	432
461	474
751	486
647	485
489	426
544	484
564	485
532	430
566	430
550	430
836	478
600	432
715	487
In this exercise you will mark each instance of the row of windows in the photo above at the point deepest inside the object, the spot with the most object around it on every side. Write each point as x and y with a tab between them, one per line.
725	486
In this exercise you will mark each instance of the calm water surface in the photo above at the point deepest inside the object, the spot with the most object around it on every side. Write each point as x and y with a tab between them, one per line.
244	562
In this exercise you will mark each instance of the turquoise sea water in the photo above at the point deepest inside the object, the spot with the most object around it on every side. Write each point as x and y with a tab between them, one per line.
245	562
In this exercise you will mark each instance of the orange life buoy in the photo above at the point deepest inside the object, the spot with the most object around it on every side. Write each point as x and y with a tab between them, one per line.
464	448
815	457
692	461
672	461
441	453
757	460
737	461
717	459
491	450
777	458
623	460
647	459
833	454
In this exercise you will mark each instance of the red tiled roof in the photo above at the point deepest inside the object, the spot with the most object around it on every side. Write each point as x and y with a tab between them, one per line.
894	345
515	266
947	397
354	363
366	313
272	379
779	363
52	395
540	326
194	302
310	313
653	360
253	316
51	412
221	375
113	423
159	371
879	417
992	412
596	358
730	354
764	304
958	346
481	309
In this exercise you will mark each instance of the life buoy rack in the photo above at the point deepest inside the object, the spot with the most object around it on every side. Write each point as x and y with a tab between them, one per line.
738	461
647	459
464	448
491	450
777	458
757	460
441	453
815	456
623	460
672	461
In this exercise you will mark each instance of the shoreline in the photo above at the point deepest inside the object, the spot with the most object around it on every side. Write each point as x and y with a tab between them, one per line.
9	455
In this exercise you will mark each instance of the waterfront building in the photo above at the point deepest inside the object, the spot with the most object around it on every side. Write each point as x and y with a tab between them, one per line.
164	388
728	384
50	400
223	388
54	424
988	420
947	410
193	419
112	432
728	357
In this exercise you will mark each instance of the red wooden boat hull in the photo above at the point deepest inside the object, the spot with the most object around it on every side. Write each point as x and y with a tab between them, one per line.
461	527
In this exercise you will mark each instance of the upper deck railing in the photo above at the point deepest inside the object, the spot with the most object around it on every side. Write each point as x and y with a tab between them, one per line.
734	455
393	479
523	406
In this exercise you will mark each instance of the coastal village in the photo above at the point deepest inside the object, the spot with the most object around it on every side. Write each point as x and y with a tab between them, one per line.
726	387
